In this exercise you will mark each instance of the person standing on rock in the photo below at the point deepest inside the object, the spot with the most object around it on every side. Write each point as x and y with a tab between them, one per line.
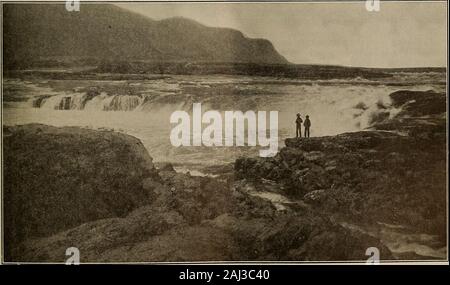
307	125
298	124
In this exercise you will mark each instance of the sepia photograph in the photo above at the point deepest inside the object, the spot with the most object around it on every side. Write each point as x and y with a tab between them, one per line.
305	132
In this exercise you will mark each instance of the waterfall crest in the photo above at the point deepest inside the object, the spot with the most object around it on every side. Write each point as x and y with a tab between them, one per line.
83	101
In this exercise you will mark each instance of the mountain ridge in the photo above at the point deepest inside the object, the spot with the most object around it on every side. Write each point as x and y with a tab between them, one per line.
42	31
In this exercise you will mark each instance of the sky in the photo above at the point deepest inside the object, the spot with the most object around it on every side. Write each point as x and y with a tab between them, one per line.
401	34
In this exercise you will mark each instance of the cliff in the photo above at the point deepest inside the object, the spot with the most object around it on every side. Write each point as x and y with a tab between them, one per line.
49	33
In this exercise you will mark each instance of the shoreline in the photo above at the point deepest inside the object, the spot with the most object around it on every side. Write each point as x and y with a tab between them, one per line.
254	212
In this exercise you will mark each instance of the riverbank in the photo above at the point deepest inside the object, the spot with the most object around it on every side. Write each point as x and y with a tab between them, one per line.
325	198
392	176
99	191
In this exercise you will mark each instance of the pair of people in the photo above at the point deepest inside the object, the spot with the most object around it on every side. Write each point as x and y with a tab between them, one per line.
306	124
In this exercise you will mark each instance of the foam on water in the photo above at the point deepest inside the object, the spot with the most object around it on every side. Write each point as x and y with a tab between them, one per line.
334	108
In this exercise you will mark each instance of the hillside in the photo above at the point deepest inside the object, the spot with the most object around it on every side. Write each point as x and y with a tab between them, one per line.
37	32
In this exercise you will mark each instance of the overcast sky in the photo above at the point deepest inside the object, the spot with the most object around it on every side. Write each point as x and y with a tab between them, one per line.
401	34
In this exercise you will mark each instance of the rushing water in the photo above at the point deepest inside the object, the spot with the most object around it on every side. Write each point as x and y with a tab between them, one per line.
143	108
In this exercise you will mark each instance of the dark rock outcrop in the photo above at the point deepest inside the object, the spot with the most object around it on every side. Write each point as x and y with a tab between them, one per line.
395	174
103	196
422	115
198	219
58	178
318	199
417	103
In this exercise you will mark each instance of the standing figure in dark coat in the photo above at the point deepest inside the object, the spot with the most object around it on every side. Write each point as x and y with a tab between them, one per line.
307	125
298	124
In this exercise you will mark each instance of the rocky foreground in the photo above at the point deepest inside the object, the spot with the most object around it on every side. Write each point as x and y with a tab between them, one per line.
327	198
390	177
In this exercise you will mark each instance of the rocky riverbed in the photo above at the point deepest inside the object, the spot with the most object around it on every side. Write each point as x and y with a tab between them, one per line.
388	181
324	198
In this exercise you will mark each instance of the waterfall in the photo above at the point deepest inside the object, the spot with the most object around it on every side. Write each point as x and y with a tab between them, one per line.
98	103
77	101
123	103
82	101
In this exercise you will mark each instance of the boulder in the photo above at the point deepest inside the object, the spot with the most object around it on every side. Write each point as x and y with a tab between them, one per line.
58	178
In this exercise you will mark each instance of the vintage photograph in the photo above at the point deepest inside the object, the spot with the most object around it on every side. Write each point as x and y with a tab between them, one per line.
278	132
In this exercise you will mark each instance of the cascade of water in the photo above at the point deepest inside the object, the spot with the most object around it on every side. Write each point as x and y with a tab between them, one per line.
123	103
81	101
74	101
